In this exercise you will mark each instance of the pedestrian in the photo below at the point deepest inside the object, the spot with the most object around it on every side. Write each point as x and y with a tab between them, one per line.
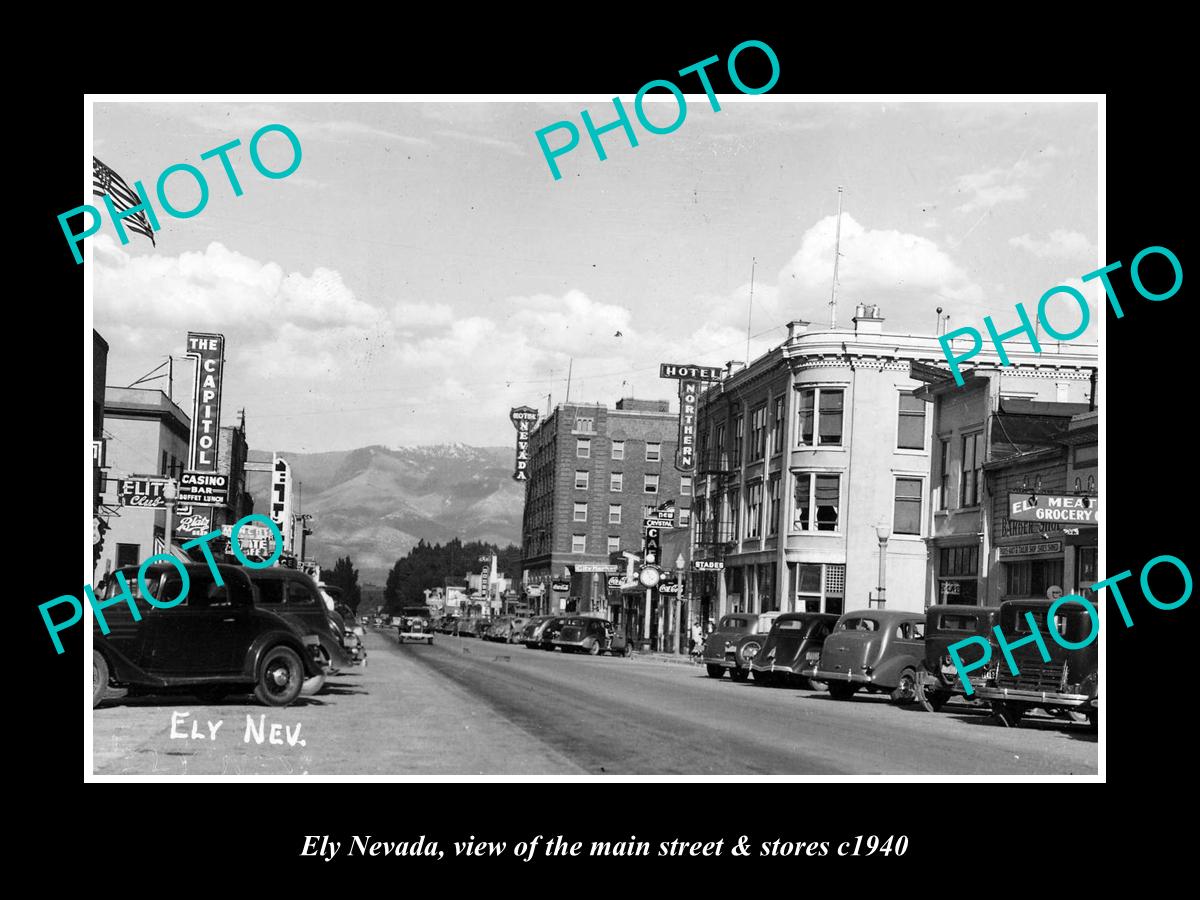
696	638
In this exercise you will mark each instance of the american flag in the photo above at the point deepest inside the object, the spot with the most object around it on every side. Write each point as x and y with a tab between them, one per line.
106	181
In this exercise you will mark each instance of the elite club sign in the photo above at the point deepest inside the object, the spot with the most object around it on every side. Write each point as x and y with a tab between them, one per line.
523	419
690	378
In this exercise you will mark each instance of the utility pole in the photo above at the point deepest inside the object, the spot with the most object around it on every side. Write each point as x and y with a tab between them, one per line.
750	308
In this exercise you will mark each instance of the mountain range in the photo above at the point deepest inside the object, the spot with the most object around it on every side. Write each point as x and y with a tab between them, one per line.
375	503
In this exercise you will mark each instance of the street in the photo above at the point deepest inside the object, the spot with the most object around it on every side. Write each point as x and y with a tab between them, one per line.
469	707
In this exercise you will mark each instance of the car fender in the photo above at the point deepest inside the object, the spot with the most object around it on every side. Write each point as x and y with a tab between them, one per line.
268	639
888	674
120	668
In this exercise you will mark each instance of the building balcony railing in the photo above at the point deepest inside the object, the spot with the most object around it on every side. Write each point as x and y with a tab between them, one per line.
714	462
714	534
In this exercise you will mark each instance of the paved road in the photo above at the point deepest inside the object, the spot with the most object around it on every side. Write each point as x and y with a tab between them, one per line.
468	707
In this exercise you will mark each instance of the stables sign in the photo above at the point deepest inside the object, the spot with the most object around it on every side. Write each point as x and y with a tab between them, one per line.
209	352
523	419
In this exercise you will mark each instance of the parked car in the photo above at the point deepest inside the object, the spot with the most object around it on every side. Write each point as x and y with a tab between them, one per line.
415	624
214	642
592	635
795	641
294	595
736	642
937	678
465	626
1066	684
549	631
482	627
877	650
503	628
531	633
448	624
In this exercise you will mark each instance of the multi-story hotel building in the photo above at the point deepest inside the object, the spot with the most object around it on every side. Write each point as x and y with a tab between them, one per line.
814	467
594	473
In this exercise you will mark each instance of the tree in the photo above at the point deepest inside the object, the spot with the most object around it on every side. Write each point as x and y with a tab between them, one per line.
345	576
428	565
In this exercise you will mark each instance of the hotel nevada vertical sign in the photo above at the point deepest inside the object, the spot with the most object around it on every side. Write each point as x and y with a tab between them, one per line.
523	419
690	378
209	352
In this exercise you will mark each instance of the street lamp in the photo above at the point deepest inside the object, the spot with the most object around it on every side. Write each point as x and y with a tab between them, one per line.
882	533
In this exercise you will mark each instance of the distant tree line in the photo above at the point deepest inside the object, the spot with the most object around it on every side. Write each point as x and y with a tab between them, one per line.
427	566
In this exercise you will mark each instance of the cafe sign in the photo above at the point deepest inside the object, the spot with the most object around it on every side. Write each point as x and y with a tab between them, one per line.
1027	507
523	419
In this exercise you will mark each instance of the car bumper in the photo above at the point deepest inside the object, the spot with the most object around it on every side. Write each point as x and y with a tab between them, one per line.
723	662
1047	698
849	677
773	667
415	635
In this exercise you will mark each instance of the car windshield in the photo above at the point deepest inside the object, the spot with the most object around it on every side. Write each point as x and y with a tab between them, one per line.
790	625
734	622
576	622
858	624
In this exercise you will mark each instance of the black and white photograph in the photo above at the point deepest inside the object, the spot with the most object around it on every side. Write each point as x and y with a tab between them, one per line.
693	433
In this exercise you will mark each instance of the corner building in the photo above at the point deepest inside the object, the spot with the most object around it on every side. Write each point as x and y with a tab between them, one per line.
814	468
593	474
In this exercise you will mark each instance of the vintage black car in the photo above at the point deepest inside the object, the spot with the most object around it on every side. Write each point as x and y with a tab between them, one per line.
592	635
876	650
736	642
215	642
1064	685
532	632
937	679
794	642
295	596
416	624
549	631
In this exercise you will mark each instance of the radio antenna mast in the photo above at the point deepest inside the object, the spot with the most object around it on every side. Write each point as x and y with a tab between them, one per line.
750	308
837	252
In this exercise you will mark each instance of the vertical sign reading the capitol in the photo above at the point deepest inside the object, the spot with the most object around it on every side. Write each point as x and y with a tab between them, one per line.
689	378
209	352
523	419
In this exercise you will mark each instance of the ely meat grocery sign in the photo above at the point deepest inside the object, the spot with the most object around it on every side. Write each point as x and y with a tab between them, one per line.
1052	508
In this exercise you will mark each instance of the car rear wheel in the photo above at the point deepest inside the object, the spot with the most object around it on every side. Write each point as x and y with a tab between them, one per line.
767	678
280	677
1093	717
906	690
628	651
715	671
594	650
99	677
739	674
1006	715
840	690
931	700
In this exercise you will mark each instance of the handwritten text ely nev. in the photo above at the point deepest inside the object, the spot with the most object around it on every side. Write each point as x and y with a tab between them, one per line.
256	731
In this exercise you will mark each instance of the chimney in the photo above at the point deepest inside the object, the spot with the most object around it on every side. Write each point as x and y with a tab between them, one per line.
867	319
795	327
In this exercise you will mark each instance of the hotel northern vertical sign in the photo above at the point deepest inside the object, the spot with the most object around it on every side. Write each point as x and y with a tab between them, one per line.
690	379
209	352
523	419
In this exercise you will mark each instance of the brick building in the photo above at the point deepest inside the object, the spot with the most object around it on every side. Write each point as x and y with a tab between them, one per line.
593	473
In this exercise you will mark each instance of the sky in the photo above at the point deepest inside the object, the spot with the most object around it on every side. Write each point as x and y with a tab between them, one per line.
421	272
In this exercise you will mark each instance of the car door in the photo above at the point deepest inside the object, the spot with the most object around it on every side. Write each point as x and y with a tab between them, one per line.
205	634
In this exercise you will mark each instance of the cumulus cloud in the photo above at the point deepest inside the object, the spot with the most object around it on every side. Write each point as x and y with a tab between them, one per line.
1059	244
1001	185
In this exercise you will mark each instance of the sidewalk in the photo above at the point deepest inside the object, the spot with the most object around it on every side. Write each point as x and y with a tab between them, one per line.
678	659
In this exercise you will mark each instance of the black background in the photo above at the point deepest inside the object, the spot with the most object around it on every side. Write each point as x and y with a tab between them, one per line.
990	830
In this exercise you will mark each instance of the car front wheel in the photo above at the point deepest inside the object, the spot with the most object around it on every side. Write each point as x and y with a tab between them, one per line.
628	651
739	674
594	649
906	690
839	690
1007	715
99	677
280	677
715	671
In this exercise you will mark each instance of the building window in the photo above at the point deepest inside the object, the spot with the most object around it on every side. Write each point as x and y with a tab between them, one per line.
911	429
1086	456
586	425
614	514
685	486
723	463
754	498
653	451
972	469
773	505
579	543
685	517
165	470
580	512
739	436
906	518
777	444
944	475
1031	578
614	544
758	433
733	510
128	555
616	482
958	562
808	588
824	405
581	480
583	448
819	492
651	484
1085	569
618	449
648	511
